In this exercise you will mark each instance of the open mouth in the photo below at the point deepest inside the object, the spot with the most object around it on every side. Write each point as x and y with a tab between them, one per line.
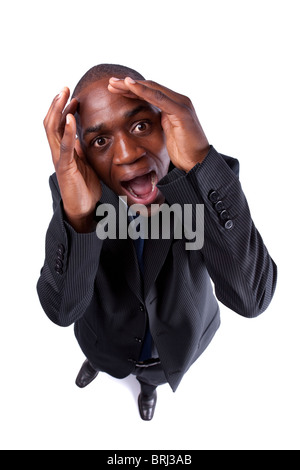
142	188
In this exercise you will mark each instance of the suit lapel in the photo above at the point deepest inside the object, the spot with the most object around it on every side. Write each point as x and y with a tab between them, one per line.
132	270
123	250
155	252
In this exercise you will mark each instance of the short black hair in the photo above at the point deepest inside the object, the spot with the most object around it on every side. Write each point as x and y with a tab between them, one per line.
103	71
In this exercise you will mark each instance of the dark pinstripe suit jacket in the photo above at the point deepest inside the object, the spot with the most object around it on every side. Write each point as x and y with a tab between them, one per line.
96	284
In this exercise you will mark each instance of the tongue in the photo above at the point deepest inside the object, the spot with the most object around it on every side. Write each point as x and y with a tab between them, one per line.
141	185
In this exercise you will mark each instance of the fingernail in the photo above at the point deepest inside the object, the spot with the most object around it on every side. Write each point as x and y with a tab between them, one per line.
60	94
68	119
114	79
130	80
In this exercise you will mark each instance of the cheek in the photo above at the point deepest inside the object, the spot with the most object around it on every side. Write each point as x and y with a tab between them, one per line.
162	153
101	166
158	144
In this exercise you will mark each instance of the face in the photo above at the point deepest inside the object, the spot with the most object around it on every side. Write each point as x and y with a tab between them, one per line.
124	142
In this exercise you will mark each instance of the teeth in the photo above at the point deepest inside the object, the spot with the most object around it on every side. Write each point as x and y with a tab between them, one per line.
153	181
132	192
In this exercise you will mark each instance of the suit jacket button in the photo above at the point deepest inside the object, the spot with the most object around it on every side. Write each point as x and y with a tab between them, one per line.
213	196
59	255
142	308
224	215
61	248
219	206
59	263
228	224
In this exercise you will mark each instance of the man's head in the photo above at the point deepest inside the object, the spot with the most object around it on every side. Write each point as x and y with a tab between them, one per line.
98	72
121	137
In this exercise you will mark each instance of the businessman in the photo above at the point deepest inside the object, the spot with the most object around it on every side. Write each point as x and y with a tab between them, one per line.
143	305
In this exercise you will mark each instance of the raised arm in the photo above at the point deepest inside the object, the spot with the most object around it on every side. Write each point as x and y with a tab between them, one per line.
79	185
65	286
237	260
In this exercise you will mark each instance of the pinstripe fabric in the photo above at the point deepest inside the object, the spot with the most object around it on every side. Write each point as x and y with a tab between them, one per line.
236	259
99	287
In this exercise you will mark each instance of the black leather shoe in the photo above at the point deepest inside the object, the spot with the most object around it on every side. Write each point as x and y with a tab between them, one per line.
86	375
147	404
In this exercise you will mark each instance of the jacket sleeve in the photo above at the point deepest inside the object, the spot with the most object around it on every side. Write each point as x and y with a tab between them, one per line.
66	283
243	273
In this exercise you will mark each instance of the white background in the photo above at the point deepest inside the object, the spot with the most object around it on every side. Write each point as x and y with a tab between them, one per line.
239	63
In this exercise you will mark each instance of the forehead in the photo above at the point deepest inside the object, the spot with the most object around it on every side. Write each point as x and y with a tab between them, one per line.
97	105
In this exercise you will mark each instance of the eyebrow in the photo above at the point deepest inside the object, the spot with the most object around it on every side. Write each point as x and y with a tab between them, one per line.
129	114
94	129
137	110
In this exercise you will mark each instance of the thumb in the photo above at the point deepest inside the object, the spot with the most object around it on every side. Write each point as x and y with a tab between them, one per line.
67	145
78	149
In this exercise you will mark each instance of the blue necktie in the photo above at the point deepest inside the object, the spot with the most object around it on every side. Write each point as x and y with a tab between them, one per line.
139	248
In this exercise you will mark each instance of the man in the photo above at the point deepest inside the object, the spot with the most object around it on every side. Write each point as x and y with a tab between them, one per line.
144	306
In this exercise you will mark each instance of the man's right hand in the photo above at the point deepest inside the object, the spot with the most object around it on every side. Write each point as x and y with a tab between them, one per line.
79	185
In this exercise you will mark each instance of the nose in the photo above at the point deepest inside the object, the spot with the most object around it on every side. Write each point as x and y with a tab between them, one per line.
127	150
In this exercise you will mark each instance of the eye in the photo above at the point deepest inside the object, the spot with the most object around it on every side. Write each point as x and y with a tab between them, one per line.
100	142
142	127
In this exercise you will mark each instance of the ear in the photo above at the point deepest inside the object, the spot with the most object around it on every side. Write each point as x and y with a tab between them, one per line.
78	148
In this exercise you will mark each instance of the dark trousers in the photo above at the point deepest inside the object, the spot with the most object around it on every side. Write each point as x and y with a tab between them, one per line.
150	377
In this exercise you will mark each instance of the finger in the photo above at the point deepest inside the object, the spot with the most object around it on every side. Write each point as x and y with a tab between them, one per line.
78	149
70	109
126	93
57	97
155	96
67	145
57	105
120	86
167	91
52	123
117	85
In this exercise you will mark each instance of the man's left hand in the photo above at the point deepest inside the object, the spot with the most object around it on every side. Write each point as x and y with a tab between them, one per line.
186	142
